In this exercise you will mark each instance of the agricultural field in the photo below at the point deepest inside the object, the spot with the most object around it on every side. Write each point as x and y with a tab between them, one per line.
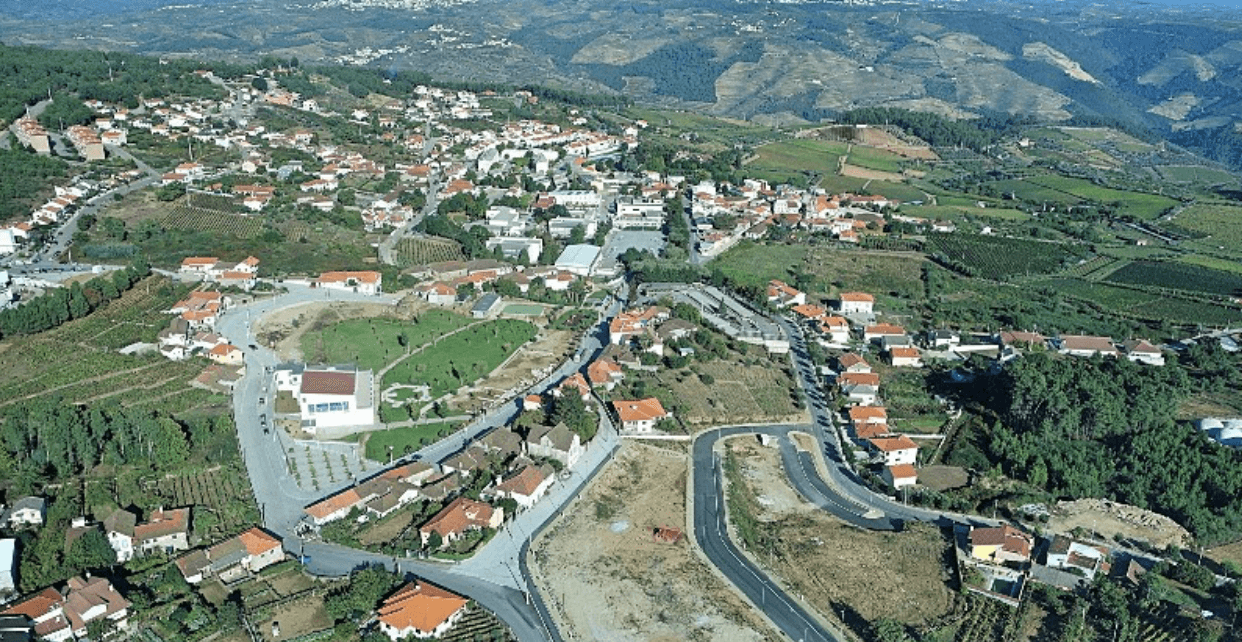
221	496
754	264
1215	225
375	342
1212	263
995	257
462	358
1196	174
1139	205
1178	276
954	212
877	159
181	216
739	392
1032	192
791	157
1146	305
421	251
79	361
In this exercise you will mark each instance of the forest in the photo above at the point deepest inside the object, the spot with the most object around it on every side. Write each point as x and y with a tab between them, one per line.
24	175
1105	428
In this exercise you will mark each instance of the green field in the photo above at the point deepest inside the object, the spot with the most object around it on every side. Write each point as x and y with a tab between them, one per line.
1027	190
792	157
1219	224
996	257
1196	174
1178	276
959	212
1213	263
523	309
754	264
399	438
1146	305
374	343
462	358
877	159
1144	206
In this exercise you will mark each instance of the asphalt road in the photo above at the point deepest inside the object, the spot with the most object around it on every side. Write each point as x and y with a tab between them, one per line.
711	534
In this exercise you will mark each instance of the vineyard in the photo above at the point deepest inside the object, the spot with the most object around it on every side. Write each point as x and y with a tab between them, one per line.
1094	268
995	257
986	621
1140	304
222	500
194	218
421	251
1178	276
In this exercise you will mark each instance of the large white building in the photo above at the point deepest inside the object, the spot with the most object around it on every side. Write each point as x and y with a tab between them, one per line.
578	259
638	213
329	396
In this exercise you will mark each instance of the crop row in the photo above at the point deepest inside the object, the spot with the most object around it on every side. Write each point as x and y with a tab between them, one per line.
995	257
185	217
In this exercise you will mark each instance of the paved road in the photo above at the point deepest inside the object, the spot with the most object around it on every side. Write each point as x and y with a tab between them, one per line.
711	534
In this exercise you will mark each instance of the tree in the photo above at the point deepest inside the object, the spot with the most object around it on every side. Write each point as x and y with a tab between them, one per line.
90	551
356	600
577	235
435	541
465	290
889	630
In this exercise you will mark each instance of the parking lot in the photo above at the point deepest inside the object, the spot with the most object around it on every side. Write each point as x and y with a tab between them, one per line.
619	241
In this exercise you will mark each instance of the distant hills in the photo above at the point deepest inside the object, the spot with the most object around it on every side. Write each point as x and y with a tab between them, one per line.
1172	72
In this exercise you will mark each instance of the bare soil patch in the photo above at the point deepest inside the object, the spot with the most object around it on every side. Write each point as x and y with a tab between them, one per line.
1109	518
1229	552
606	579
838	567
871	174
296	618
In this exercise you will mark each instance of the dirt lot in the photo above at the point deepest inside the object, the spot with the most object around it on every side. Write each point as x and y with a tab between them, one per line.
1109	518
840	568
738	394
873	174
606	580
296	618
943	477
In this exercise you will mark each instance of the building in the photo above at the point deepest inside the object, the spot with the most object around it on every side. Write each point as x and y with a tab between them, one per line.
853	362
527	486
605	372
366	282
232	559
901	475
166	531
638	214
836	329
904	356
420	610
334	508
867	417
1001	544
782	295
45	610
459	517
329	396
119	529
1077	557
882	331
855	303
486	305
31	134
556	442
578	259
1141	351
27	511
896	450
8	567
641	415
1087	346
59	617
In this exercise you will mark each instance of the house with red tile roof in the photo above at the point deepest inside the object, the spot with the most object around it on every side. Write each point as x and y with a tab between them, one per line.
879	331
574	383
461	515
233	558
527	486
420	610
855	303
640	415
896	450
836	329
1141	351
605	372
905	356
810	312
166	531
365	282
329	396
861	416
1086	346
59	617
783	295
901	475
853	362
1001	544
334	508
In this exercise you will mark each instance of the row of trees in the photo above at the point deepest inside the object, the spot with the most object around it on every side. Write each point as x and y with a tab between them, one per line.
65	304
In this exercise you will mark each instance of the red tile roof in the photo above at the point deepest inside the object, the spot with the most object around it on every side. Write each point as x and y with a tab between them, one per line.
318	382
858	297
346	500
258	541
526	482
893	444
640	410
421	607
903	471
461	514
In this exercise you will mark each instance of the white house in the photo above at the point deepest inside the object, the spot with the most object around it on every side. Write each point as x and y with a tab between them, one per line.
366	282
8	562
527	486
420	610
641	415
329	396
896	450
1141	351
855	303
27	511
901	475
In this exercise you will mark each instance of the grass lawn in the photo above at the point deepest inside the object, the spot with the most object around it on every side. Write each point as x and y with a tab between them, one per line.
893	279
464	357
399	438
523	309
1145	206
749	263
374	343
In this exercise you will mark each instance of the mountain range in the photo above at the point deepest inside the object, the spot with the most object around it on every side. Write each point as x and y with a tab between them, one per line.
1173	71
